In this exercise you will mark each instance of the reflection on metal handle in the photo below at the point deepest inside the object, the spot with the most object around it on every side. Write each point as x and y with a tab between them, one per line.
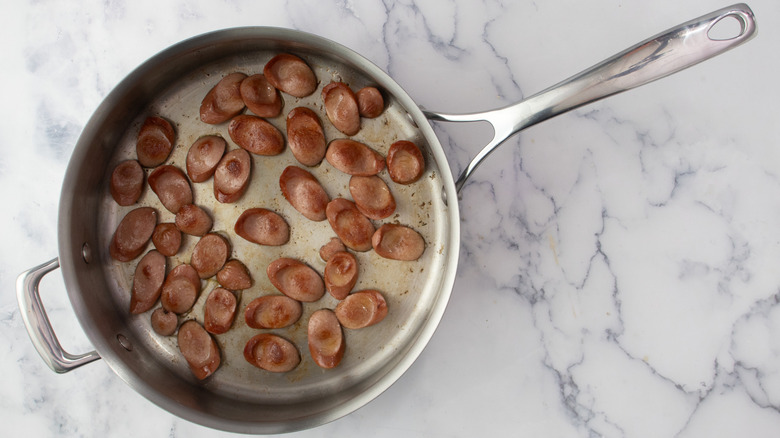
659	56
38	325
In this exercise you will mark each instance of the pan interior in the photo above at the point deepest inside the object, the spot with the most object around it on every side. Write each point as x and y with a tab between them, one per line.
239	396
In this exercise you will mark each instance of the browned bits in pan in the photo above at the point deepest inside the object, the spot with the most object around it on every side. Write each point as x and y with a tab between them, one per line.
171	186
272	312
341	107
333	246
199	349
147	282
398	242
291	75
232	176
223	101
219	311
296	280
304	192
354	158
256	135
127	182
370	102
362	309
132	234
263	227
260	96
352	227
203	157
167	239
210	254
405	162
341	274
326	340
193	220
372	196
305	136
234	276
155	141
181	289
272	353
164	323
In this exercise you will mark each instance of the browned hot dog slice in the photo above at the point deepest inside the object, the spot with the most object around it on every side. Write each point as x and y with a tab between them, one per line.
352	227
362	309
210	254
256	135
405	162
164	323
341	274
260	96
271	353
155	141
263	227
199	349
372	196
333	246
326	340
223	101
290	74
172	187
370	102
398	242
305	136
272	311
304	192
296	279
167	239
354	158
127	182
219	311
181	289
203	157
234	276
341	107
193	220
132	234
147	282
232	176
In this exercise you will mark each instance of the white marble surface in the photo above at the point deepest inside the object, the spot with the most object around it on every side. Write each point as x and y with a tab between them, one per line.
619	265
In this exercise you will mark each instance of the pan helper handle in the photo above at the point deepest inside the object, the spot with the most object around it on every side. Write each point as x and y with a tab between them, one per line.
669	52
37	322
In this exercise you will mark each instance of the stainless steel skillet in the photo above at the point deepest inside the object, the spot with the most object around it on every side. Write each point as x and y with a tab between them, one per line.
241	398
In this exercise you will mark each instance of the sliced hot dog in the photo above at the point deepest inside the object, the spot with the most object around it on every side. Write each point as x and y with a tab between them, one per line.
326	340
296	279
234	276
271	353
147	282
370	102
203	157
167	239
341	107
354	158
256	135
193	220
132	234
170	184
263	227
219	311
272	312
372	196
341	274
164	323
260	96
333	246
155	141
181	289
127	182
305	136
223	101
362	309
210	254
290	74
398	242
199	349
304	192
231	177
405	162
352	227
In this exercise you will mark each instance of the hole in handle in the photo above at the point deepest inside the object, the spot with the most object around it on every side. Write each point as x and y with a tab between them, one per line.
727	28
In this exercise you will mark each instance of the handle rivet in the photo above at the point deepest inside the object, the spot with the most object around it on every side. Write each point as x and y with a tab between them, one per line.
86	253
124	342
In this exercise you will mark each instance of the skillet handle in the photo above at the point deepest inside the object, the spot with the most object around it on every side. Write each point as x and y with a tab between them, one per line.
37	322
669	52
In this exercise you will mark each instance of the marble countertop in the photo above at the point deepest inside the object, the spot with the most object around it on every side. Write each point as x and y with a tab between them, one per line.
618	271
